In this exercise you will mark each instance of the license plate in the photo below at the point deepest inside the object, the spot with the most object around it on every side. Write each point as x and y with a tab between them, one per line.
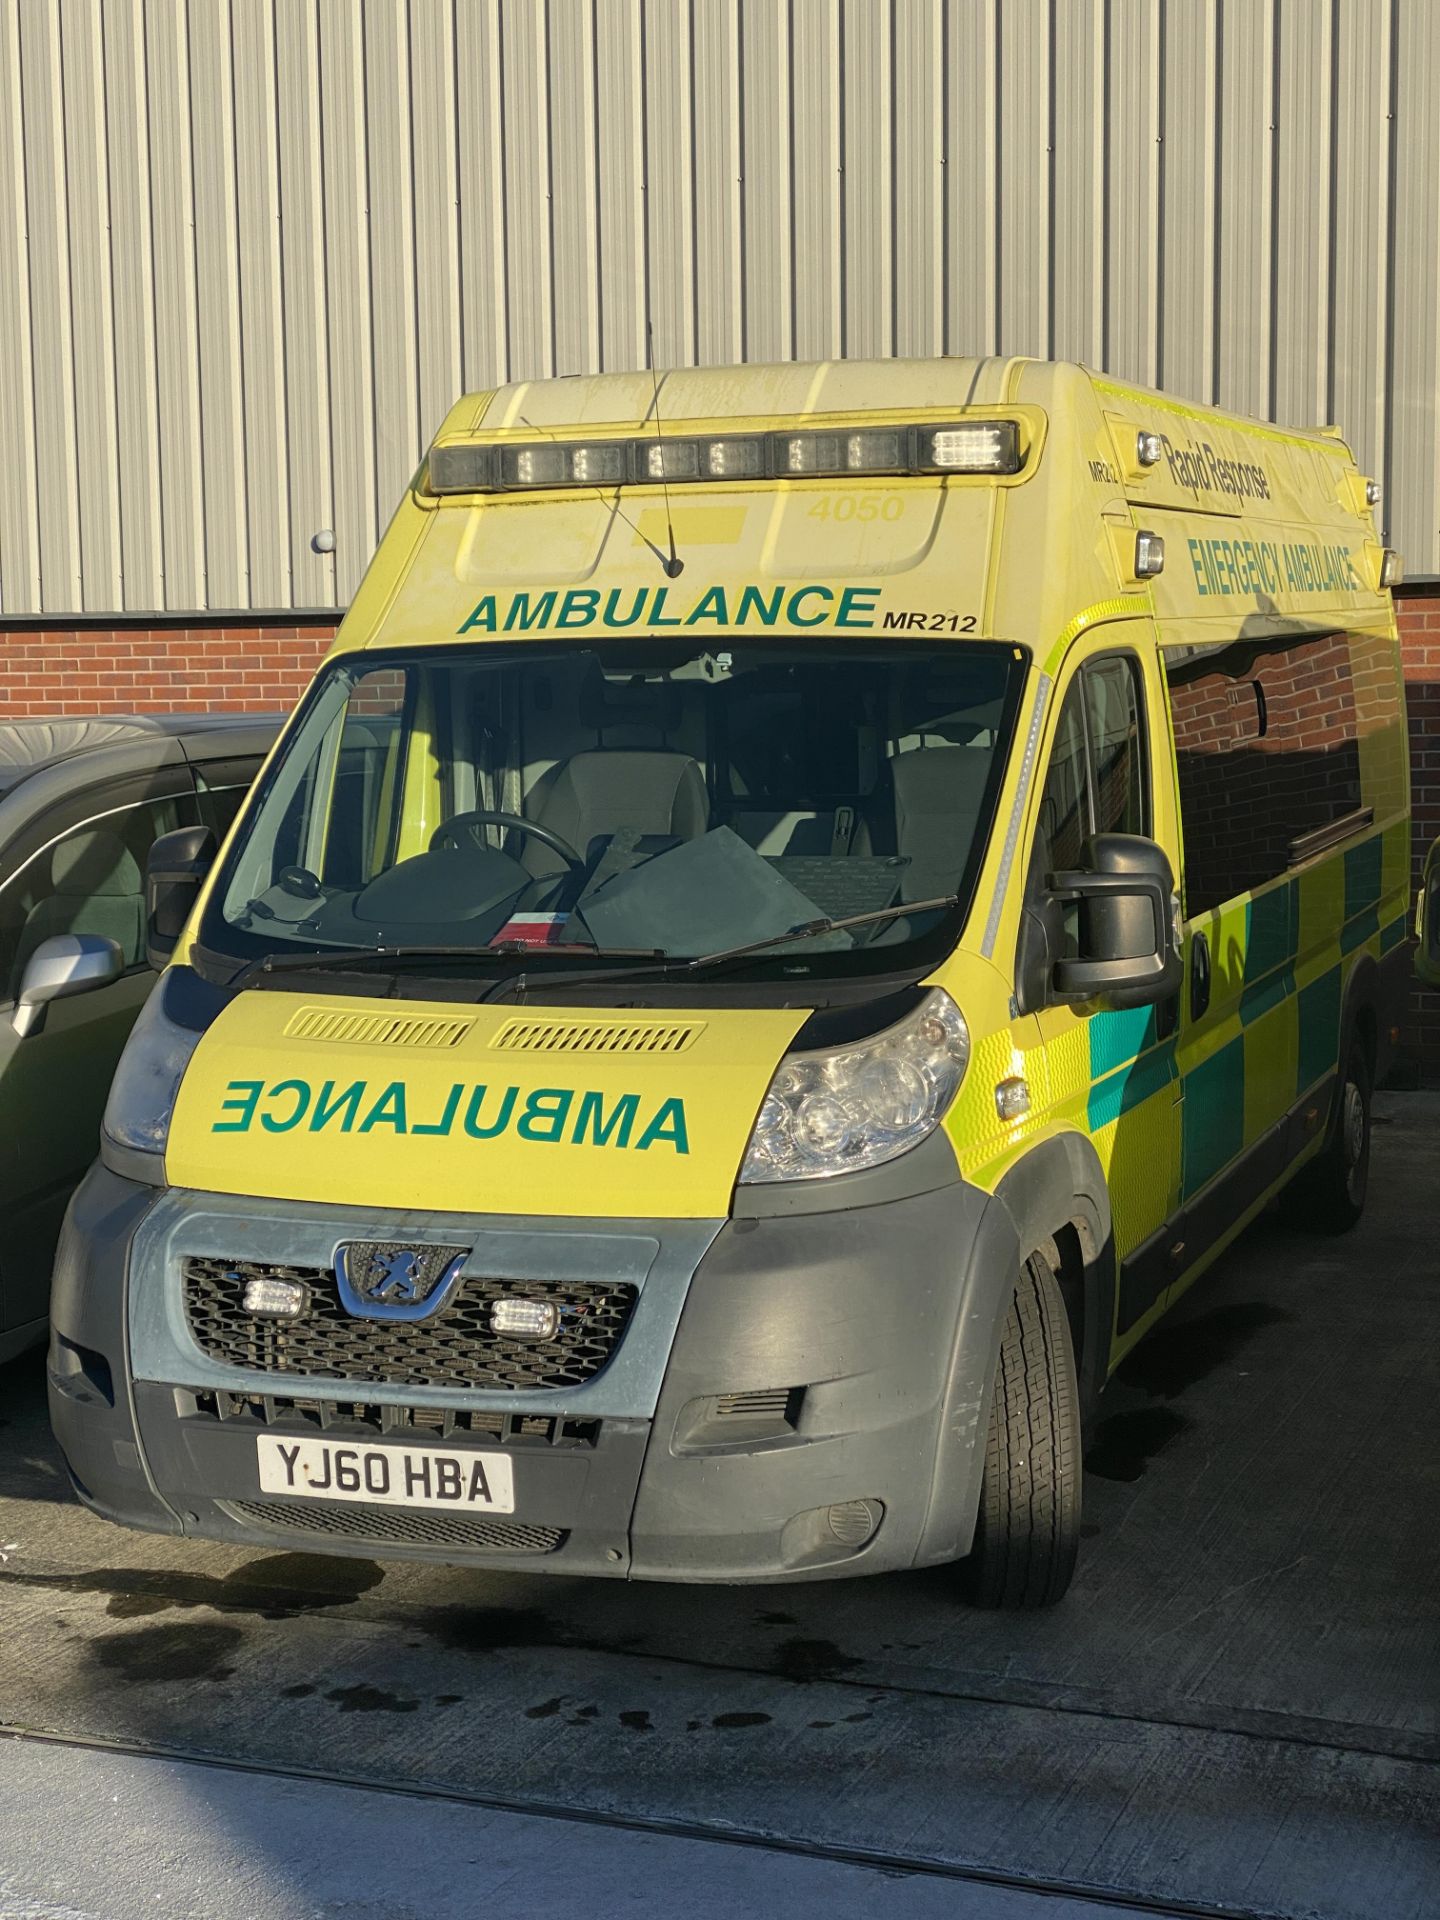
386	1476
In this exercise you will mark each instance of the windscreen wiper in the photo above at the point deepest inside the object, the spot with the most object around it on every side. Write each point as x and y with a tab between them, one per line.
810	929
320	959
804	930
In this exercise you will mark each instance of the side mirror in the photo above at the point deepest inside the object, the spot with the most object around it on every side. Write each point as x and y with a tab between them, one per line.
1124	925
174	873
66	964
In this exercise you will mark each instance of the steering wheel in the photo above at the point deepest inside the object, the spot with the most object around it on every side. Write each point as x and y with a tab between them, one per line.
451	829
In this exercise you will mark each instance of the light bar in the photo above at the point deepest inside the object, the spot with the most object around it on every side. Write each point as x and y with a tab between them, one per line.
563	464
733	457
462	469
870	450
974	446
959	447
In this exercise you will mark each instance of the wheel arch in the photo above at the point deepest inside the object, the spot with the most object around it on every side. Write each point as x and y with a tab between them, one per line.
1058	1198
1360	1009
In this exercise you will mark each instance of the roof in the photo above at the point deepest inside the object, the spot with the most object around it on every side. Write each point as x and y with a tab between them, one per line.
1260	524
762	392
28	745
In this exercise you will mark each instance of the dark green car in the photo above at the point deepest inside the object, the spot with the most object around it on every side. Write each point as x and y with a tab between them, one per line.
81	800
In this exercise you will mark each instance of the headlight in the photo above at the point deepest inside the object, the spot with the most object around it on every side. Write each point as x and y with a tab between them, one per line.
142	1094
856	1106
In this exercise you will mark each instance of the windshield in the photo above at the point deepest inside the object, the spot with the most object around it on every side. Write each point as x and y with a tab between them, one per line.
651	799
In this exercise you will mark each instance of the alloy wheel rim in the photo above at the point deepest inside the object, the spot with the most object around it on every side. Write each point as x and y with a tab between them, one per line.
1353	1121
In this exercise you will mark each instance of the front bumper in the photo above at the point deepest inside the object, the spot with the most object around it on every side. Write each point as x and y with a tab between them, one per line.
797	1396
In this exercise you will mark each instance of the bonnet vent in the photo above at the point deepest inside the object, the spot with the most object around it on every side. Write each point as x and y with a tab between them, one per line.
589	1036
378	1029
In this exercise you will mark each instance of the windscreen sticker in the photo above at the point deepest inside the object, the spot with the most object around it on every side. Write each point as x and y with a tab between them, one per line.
544	1115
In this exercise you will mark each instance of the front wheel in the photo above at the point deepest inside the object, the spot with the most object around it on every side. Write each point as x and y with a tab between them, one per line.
1329	1194
1028	1531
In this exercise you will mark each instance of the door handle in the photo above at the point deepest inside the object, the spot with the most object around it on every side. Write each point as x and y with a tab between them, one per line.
1199	975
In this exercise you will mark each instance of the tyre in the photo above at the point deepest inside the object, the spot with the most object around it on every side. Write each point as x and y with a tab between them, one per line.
1028	1530
1328	1196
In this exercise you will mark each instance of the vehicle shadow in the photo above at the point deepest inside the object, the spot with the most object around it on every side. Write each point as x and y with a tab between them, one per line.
30	1464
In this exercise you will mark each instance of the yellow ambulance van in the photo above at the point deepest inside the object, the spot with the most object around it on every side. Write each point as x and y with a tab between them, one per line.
805	906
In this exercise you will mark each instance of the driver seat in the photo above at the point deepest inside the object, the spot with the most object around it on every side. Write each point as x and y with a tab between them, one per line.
607	788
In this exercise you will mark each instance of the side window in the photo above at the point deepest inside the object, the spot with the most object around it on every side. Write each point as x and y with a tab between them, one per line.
1096	782
1065	802
1117	748
221	790
89	879
368	790
1267	752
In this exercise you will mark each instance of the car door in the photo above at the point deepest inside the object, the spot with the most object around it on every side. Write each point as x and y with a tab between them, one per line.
76	866
1112	1072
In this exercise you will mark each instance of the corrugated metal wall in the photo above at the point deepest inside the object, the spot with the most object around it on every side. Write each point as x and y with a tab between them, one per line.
251	249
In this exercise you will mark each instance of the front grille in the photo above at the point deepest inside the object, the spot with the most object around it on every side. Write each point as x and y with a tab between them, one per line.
453	1348
411	1526
768	1403
292	1415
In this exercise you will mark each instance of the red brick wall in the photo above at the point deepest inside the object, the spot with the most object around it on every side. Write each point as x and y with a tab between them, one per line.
197	668
181	669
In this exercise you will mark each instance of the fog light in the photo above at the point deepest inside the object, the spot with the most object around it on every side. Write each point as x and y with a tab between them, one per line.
525	1319
276	1299
853	1521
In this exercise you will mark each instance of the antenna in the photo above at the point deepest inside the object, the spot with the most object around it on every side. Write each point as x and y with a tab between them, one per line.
674	565
614	505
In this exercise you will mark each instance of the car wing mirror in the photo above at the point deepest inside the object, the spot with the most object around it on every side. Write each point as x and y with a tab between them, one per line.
1124	921
174	873
66	964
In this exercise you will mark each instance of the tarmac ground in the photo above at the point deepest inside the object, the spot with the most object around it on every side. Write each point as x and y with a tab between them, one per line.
1233	1712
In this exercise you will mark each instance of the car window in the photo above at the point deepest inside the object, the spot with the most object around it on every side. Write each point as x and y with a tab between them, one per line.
87	878
1117	756
1267	752
669	795
1096	780
222	790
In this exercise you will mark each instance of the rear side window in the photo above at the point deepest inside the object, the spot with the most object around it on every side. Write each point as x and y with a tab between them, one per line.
1267	754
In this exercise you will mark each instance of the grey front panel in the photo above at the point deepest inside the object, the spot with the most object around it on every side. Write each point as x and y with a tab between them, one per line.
657	1258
